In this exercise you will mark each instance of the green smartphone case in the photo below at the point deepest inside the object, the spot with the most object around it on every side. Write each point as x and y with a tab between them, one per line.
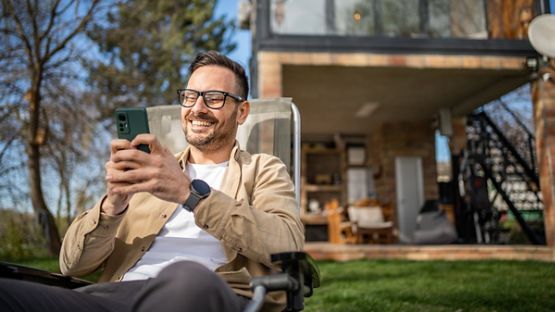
131	121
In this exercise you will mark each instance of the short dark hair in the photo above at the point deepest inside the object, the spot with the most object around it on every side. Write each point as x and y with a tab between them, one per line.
215	58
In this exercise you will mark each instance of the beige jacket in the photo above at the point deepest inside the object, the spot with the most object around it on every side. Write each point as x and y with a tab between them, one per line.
254	215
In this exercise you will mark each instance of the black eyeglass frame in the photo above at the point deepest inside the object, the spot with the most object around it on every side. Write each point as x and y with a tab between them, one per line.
203	93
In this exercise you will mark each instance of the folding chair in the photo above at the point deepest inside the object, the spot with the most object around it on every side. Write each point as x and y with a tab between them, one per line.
270	123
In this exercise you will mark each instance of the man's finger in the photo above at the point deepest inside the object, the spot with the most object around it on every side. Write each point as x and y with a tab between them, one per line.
112	185
129	176
130	189
124	165
147	139
119	144
131	155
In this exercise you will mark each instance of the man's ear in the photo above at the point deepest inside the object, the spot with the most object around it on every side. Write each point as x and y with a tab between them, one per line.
243	112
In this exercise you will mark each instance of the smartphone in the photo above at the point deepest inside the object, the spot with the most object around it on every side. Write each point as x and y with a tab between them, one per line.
130	122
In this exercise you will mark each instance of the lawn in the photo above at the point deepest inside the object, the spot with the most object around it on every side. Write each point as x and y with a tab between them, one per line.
435	286
426	285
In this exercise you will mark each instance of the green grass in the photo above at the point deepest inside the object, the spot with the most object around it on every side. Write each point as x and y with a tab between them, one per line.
394	285
435	286
48	264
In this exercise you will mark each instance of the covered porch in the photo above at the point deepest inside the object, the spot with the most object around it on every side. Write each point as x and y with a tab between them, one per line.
392	104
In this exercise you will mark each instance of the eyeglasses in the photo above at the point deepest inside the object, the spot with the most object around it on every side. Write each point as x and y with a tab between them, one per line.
214	99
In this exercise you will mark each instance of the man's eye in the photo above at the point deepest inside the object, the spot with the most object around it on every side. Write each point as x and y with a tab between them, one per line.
214	98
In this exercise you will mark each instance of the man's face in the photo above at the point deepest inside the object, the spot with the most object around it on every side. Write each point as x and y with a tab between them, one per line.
211	129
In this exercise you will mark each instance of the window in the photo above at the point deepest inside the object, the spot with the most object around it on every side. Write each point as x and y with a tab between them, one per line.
380	18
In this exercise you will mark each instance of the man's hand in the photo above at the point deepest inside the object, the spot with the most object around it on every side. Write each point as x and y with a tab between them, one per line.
157	173
115	203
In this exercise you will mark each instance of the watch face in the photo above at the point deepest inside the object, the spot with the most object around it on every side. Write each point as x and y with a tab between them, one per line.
201	187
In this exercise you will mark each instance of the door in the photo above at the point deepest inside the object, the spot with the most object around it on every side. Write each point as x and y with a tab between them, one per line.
410	194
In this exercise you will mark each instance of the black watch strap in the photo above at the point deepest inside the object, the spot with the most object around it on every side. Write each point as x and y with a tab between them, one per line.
199	190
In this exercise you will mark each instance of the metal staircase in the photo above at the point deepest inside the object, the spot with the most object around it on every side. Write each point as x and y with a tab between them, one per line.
499	177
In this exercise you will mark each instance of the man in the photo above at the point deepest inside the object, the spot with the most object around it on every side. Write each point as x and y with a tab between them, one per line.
183	232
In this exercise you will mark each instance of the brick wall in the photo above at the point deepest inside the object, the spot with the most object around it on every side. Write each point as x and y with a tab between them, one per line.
393	140
270	64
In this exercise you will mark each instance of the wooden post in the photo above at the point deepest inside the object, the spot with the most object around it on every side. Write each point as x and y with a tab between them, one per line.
543	97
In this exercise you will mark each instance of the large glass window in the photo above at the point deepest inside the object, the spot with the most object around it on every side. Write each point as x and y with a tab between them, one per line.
383	18
468	19
377	18
299	17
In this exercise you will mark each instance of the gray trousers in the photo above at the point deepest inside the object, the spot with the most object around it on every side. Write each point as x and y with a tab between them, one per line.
182	286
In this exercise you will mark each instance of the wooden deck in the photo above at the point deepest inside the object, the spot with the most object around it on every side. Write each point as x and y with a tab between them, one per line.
339	252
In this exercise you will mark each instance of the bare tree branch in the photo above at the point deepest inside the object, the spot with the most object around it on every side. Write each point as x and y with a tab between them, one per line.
84	21
52	16
7	145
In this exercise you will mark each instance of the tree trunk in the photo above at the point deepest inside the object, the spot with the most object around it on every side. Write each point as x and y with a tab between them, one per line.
36	137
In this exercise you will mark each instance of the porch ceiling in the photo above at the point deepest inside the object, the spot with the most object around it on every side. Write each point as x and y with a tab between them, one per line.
329	96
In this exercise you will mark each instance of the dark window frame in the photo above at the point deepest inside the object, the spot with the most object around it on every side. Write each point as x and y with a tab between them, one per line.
266	40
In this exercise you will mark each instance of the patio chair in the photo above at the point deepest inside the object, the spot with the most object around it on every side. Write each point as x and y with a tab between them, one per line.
271	122
369	225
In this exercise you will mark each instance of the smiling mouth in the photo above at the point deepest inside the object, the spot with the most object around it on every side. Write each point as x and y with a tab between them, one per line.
201	123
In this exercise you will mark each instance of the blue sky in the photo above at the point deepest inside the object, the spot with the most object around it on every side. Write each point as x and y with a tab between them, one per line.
242	38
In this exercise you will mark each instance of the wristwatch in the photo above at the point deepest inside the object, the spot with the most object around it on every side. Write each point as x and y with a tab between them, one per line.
199	190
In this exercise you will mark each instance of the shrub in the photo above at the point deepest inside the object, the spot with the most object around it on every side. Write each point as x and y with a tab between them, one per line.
20	236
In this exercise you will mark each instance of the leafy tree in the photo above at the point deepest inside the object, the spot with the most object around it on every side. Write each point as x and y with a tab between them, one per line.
146	47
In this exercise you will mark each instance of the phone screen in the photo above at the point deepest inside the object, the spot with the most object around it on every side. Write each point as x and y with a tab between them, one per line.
131	121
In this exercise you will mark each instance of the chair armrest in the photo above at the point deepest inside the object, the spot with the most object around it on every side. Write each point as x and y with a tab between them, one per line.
299	263
298	278
20	272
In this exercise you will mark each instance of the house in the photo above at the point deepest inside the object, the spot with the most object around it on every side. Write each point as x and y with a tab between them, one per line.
374	80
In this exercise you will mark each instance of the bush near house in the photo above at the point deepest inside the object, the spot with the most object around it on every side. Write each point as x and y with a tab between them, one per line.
21	236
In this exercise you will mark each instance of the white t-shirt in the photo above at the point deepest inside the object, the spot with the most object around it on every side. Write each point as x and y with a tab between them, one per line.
180	238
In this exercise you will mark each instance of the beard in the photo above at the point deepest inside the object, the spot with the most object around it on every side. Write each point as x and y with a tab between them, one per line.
215	139
202	142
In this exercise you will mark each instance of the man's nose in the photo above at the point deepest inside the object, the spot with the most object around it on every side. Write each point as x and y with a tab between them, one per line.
199	106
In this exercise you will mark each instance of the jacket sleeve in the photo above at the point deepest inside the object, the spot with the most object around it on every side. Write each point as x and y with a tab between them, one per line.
269	223
88	241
